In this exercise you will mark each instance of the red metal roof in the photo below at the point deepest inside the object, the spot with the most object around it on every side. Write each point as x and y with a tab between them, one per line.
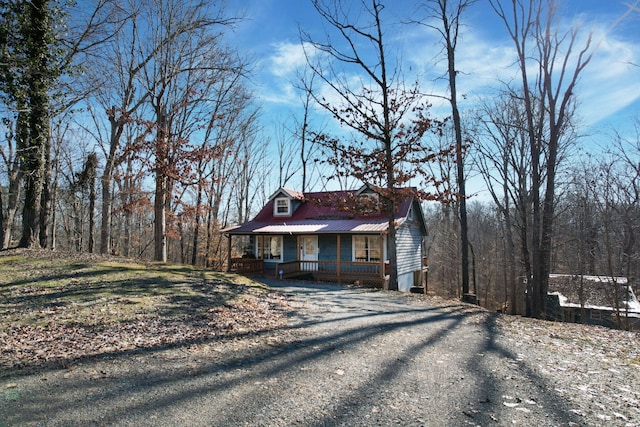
322	212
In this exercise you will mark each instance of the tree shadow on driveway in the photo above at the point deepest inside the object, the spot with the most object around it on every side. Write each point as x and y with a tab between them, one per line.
351	357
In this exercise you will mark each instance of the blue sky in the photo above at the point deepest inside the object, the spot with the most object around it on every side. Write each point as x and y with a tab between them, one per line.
608	92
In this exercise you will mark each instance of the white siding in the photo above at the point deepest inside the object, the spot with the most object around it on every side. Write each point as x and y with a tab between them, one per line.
409	244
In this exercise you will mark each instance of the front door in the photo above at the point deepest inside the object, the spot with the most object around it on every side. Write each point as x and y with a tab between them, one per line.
309	252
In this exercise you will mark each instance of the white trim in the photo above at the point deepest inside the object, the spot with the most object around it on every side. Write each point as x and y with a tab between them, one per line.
368	236
285	192
270	244
305	256
276	206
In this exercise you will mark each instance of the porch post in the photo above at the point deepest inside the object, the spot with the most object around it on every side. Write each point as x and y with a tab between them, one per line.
338	268
298	252
262	247
228	253
382	257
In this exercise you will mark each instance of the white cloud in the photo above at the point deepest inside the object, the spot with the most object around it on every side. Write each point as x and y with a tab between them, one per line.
282	66
608	84
289	58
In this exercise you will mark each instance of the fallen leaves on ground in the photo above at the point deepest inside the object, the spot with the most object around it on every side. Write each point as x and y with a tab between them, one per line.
70	310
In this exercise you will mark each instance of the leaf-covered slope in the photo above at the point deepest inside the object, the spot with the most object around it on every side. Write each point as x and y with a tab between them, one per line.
56	308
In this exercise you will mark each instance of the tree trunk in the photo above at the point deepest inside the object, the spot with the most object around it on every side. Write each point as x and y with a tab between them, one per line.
54	198
77	224
460	178
92	207
128	214
207	250
46	207
116	127
196	228
391	204
160	202
33	148
160	219
105	225
1	221
33	170
126	244
15	184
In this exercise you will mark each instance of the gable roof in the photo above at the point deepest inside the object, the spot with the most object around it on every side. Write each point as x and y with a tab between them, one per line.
598	292
292	194
324	212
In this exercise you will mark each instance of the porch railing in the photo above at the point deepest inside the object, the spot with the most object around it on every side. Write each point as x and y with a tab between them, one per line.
247	265
332	270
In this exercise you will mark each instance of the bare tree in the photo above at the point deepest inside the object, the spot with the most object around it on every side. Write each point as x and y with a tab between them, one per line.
387	119
618	189
628	156
180	69
253	163
237	174
45	47
287	155
502	157
115	74
447	14
308	147
551	92
233	114
130	237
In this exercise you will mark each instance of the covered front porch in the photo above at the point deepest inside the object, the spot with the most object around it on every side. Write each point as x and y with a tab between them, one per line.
336	258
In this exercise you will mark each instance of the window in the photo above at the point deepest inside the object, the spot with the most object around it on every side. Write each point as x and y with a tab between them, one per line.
366	248
272	248
282	207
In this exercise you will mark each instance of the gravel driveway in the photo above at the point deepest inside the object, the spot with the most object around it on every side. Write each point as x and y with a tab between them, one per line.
351	357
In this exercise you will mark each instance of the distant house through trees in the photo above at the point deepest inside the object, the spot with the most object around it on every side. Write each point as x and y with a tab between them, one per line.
597	300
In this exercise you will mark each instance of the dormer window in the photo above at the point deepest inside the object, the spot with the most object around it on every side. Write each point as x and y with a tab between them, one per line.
282	207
